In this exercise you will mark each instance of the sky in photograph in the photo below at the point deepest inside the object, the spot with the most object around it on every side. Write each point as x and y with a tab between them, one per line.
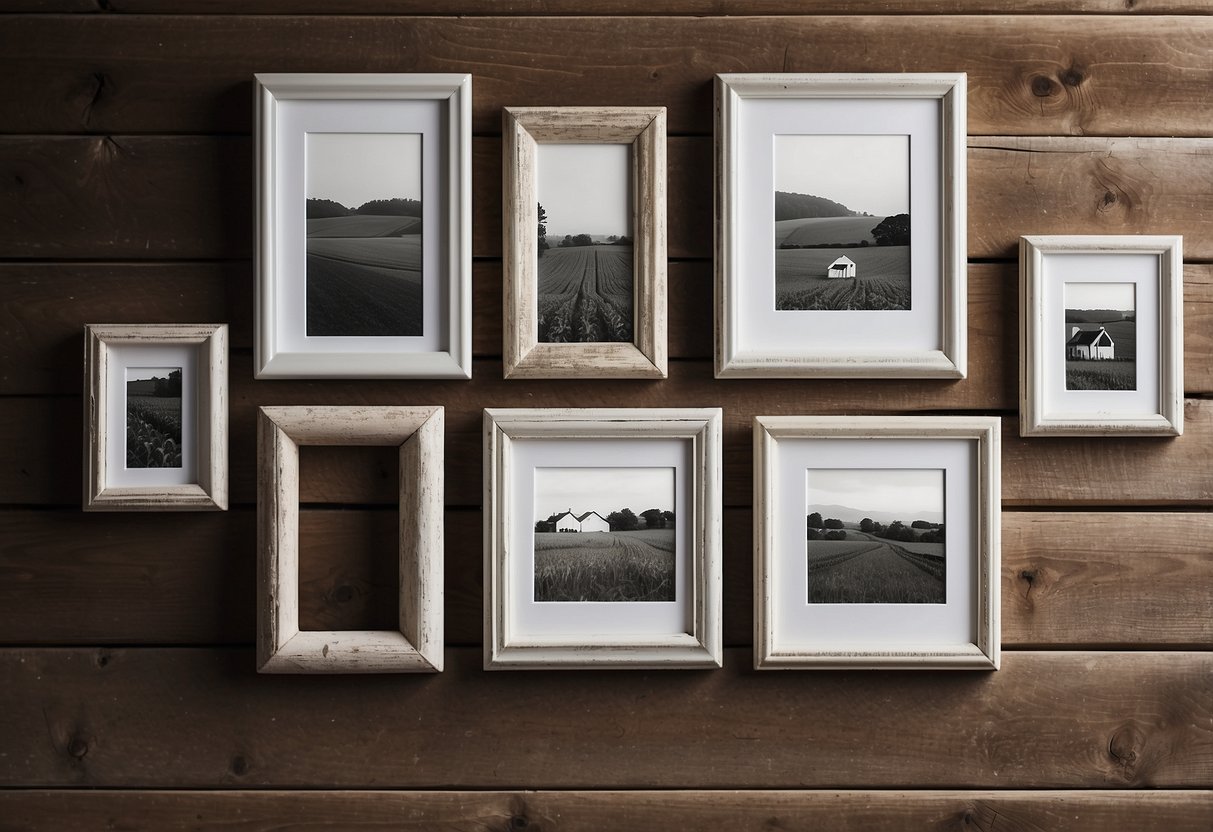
1118	296
908	491
354	168
143	373
602	490
864	173
585	188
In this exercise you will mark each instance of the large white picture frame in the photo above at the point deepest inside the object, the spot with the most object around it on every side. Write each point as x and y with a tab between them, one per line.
655	606
373	278
148	447
1101	335
864	585
823	294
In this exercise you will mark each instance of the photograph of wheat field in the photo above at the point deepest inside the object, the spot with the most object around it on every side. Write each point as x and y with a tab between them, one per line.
586	274
876	536
153	417
364	226
842	222
605	534
1101	336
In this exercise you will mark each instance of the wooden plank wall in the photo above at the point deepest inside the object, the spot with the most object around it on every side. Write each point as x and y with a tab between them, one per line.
127	693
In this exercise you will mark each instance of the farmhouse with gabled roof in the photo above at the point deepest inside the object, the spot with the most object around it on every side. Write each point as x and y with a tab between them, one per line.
1090	344
590	521
842	267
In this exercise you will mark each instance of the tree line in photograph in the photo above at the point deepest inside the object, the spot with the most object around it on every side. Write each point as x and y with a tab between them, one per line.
623	520
318	209
834	529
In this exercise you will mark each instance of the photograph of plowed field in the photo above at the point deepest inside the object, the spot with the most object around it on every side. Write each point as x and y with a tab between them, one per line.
824	231
585	294
867	570
882	279
605	566
364	276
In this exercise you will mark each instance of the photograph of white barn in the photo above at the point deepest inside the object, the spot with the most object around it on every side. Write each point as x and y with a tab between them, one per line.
1090	344
590	521
842	267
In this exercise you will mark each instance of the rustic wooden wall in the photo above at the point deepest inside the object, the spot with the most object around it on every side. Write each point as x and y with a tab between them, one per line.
127	693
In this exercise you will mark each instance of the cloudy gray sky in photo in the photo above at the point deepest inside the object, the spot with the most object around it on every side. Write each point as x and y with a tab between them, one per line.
602	490
585	188
354	168
143	373
906	491
864	173
1118	296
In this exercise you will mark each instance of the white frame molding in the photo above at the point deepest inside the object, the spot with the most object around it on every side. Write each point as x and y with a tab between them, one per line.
1035	417
456	90
984	653
700	648
210	491
948	362
417	646
523	128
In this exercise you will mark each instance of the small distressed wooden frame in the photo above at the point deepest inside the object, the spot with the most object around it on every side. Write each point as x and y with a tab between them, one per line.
702	645
1036	416
209	492
804	358
273	356
523	129
417	646
985	431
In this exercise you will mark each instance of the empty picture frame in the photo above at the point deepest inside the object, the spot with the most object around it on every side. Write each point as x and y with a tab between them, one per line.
876	542
585	280
155	417
416	647
1101	335
602	538
819	269
363	243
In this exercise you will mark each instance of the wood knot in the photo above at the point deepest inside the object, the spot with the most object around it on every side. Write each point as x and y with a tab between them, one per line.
78	747
1107	200
519	822
343	594
1124	747
1043	87
102	659
1072	77
240	765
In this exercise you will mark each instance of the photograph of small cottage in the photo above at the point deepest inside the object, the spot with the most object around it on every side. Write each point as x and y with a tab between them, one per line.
1100	336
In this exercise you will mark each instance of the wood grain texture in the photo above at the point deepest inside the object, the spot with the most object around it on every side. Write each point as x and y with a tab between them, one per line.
1069	579
590	811
113	718
1034	75
158	197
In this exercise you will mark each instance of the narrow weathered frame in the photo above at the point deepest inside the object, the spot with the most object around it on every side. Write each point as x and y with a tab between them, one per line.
702	647
643	128
416	647
455	89
804	360
985	431
1036	418
209	493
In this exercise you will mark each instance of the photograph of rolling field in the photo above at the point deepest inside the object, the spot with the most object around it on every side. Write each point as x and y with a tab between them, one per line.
586	275
875	536
1100	336
603	546
842	223
364	227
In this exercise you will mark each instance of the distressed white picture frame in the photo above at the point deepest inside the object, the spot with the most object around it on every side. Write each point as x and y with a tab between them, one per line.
201	484
927	341
284	104
417	645
1155	265
875	635
696	640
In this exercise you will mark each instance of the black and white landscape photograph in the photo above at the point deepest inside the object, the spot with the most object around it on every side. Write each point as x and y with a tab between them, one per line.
364	234
1101	336
604	534
842	222
586	277
876	536
153	417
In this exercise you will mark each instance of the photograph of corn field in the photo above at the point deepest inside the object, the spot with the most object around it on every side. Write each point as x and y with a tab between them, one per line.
364	226
876	536
586	278
153	417
842	222
605	534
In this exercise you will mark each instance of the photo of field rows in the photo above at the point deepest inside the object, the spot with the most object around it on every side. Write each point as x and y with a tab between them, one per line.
153	418
882	278
865	569
585	294
605	566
